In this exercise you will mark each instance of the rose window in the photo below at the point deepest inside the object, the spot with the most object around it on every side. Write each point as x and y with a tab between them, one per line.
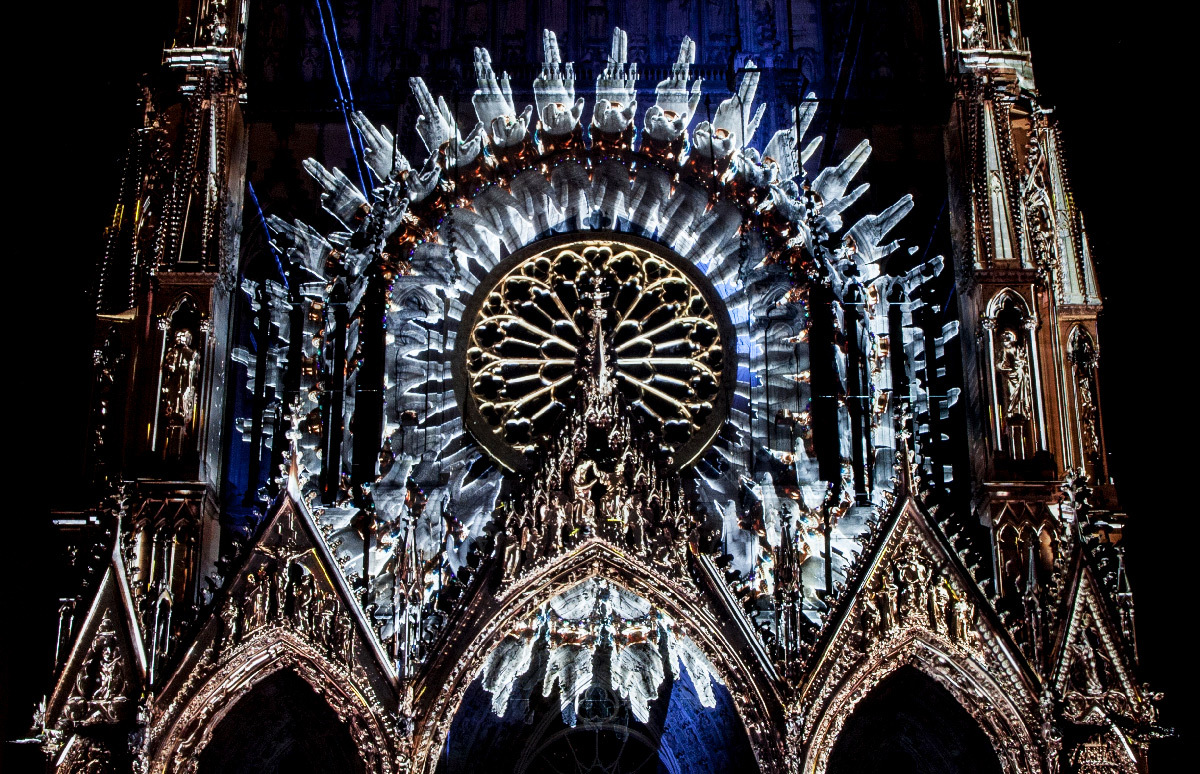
662	333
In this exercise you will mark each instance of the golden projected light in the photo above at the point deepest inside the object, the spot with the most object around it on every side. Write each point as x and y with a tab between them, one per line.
664	336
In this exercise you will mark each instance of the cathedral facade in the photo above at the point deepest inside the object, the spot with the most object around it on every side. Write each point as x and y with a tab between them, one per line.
561	387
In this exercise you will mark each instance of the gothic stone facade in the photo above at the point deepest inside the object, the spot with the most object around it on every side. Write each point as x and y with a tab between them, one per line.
612	416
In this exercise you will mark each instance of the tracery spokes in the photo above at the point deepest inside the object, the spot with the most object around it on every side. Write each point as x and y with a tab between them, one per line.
534	328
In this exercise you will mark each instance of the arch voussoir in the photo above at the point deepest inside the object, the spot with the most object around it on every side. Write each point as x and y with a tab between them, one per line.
489	619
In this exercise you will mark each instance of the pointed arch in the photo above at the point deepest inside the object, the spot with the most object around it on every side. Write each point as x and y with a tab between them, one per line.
487	619
1017	408
909	722
963	677
1083	391
181	303
1047	547
185	729
1007	298
281	725
1008	554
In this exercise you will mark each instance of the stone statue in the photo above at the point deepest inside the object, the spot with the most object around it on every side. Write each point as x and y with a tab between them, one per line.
1087	414
940	601
180	369
582	482
1016	387
889	614
512	556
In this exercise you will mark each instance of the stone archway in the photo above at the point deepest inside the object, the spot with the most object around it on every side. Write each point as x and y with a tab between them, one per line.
186	728
281	725
998	713
457	671
911	725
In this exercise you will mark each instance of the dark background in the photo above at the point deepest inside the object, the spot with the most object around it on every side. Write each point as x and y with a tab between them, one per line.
71	88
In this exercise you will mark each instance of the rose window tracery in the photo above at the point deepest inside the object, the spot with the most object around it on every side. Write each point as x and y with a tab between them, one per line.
663	334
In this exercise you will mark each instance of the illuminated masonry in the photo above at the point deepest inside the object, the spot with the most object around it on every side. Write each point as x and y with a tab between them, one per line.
588	401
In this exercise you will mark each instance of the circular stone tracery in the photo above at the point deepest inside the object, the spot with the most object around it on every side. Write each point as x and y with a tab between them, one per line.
531	328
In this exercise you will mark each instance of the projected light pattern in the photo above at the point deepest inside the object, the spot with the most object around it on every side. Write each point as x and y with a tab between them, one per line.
662	331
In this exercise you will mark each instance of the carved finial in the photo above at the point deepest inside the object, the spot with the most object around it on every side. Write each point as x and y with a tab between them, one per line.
291	467
905	456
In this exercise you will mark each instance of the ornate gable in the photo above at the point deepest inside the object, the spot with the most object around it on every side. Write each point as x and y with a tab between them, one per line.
289	607
104	674
915	604
1092	674
489	619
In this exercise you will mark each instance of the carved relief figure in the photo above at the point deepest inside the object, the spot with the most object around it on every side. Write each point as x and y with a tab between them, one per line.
1083	365
583	482
1015	388
973	27
963	615
939	604
914	576
180	369
99	692
512	556
886	600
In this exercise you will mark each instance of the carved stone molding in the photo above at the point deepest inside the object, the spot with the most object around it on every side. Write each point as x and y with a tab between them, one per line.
916	606
487	620
954	667
181	730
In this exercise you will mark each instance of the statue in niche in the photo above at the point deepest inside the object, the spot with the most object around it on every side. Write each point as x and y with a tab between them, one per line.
1016	387
1083	364
582	482
180	369
1087	414
216	29
973	29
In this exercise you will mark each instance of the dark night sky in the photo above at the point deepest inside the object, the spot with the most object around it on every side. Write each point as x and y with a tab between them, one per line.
1114	88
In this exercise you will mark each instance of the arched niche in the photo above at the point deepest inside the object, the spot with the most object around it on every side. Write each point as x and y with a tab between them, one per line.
183	732
1018	416
174	433
1084	357
1047	548
911	725
281	725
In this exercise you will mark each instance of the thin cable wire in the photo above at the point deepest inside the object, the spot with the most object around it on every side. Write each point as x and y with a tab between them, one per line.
263	220
341	99
361	148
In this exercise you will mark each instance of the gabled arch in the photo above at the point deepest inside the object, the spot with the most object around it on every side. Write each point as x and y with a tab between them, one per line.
910	723
1003	298
487	619
976	691
281	726
916	604
185	730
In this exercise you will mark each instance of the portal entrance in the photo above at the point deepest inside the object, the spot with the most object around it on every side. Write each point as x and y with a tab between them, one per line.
681	735
281	727
911	725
